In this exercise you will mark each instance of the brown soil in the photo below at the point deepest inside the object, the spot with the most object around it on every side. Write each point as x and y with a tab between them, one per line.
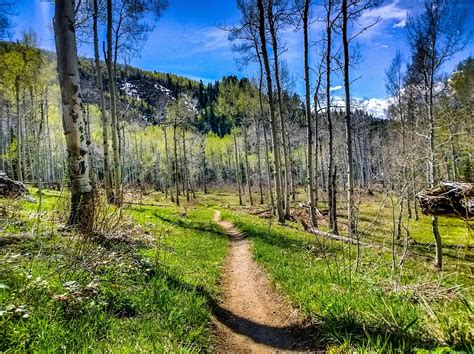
251	317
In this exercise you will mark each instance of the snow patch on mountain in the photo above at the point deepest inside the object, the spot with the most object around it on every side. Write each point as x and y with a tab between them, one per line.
130	89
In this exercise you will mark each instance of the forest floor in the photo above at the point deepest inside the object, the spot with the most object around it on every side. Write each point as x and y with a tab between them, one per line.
166	278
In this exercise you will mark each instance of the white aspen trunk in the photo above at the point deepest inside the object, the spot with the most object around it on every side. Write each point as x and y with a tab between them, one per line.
237	168
19	146
286	166
175	151
331	168
259	162
312	202
273	118
169	176
105	122
113	109
247	167
82	204
349	150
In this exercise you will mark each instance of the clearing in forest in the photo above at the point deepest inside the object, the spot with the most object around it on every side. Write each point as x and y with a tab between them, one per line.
251	316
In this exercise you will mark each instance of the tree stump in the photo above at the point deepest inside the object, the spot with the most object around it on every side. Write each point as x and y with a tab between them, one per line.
10	188
451	199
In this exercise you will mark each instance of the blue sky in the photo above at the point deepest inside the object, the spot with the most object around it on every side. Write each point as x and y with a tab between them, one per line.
188	42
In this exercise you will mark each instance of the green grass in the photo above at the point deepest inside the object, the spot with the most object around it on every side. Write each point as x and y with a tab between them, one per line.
359	311
59	293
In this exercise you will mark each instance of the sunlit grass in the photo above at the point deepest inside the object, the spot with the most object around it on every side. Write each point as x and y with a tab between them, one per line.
152	299
361	310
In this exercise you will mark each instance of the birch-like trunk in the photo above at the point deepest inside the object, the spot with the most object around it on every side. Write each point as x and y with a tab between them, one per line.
169	176
113	109
347	101
237	168
105	122
247	167
82	203
286	165
312	203
273	118
175	152
19	165
331	168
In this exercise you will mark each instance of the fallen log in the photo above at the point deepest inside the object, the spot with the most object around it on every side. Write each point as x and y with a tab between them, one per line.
451	199
144	204
10	188
337	237
432	245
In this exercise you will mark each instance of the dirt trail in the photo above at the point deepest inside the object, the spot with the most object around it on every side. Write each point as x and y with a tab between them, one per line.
251	317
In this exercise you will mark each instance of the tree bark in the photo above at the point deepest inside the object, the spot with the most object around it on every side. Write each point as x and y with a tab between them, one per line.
273	119
105	122
186	182
237	168
169	173
286	165
19	145
350	162
82	204
247	167
113	109
259	161
331	167
262	120
312	203
175	150
204	163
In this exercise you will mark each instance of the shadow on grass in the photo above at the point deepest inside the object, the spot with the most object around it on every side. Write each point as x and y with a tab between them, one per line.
314	336
278	239
305	336
192	224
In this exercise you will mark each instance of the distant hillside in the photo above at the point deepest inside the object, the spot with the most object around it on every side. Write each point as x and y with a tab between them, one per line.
144	95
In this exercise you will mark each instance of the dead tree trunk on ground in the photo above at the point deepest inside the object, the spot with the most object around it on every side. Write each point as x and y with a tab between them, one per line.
450	199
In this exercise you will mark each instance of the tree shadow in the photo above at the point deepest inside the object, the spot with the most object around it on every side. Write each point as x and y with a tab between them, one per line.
302	337
192	224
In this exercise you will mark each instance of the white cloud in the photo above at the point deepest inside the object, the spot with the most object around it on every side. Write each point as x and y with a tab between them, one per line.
400	24
386	15
376	106
213	39
384	46
335	88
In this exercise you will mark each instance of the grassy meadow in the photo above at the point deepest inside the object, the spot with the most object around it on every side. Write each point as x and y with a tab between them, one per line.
151	283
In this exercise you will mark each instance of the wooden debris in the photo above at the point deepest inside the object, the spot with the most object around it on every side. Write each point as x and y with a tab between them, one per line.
10	188
451	199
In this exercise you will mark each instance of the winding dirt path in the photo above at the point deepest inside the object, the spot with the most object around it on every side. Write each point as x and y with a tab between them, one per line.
251	317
